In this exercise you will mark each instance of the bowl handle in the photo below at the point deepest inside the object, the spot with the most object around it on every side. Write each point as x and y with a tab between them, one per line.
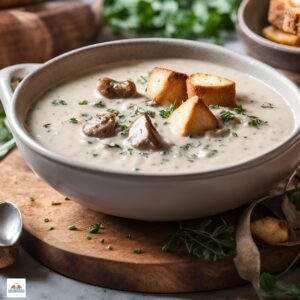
6	77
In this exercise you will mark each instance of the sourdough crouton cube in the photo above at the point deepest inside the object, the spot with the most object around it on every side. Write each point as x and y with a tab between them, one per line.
192	117
212	89
270	230
278	36
166	86
285	15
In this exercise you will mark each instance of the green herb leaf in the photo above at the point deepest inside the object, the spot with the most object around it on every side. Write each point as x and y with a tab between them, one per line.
267	105
204	240
192	19
294	197
256	121
47	125
73	120
72	227
239	110
57	102
99	104
226	115
143	79
94	228
214	106
270	286
138	250
55	202
83	102
166	113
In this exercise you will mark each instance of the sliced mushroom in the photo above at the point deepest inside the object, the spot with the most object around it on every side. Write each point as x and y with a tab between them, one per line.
102	127
143	135
116	89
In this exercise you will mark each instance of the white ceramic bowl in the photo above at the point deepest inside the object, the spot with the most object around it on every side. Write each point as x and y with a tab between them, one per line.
149	197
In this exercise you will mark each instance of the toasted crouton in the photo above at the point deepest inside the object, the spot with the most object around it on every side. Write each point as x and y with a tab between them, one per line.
212	89
285	15
278	36
192	117
270	230
166	86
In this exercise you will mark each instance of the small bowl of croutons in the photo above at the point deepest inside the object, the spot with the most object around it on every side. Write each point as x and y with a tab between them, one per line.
270	31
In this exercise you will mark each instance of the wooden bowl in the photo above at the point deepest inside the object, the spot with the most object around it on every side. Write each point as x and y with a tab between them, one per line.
252	18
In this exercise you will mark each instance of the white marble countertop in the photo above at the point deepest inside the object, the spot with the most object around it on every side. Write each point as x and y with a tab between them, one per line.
44	284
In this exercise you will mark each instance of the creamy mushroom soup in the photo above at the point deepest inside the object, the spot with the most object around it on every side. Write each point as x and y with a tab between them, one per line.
260	121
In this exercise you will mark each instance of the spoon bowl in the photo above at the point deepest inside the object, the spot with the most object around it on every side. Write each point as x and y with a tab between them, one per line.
10	224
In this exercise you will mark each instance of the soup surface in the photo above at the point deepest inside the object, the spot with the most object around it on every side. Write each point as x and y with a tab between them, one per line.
56	121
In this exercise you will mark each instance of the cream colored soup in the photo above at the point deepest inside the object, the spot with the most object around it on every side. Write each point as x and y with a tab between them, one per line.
57	118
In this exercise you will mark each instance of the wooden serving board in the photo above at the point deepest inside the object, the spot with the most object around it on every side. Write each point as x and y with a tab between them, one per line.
36	33
72	254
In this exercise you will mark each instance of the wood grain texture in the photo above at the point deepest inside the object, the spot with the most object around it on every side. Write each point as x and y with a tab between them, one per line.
72	254
36	33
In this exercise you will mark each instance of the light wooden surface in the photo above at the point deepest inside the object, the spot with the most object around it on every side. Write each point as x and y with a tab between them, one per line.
72	254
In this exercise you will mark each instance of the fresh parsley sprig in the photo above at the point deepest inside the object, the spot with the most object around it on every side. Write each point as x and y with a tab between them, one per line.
166	113
204	240
272	288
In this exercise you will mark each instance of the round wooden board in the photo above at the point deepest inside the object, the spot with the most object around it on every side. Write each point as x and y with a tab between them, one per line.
72	254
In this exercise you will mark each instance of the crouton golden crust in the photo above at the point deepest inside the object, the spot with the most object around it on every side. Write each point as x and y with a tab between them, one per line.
212	89
278	36
285	16
192	117
270	230
166	86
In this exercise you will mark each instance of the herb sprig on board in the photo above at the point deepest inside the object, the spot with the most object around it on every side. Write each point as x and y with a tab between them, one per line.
192	19
294	196
5	134
204	240
272	288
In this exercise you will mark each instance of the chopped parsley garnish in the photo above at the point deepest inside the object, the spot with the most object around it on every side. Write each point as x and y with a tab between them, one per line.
72	227
138	251
139	110
226	115
55	202
94	228
83	102
116	112
256	121
47	125
143	79
267	105
99	104
239	109
32	199
166	113
73	120
57	102
214	106
122	128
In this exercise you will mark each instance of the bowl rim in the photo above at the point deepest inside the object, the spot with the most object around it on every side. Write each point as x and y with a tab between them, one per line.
25	137
258	38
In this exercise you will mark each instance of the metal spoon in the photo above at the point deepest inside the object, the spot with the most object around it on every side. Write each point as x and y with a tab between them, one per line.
10	224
